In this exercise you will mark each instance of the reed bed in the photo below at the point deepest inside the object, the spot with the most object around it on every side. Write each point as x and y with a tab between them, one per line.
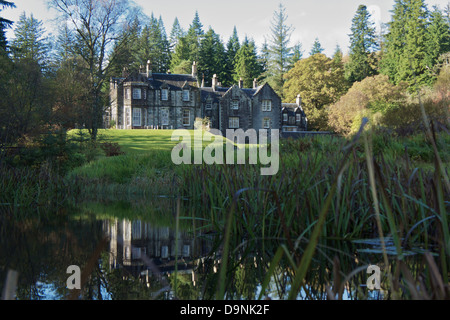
327	192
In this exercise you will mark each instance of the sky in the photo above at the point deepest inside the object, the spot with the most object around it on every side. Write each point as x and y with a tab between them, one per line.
327	20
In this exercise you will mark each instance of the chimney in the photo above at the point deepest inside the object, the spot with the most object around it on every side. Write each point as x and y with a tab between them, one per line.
149	69
299	100
214	82
194	69
241	83
255	83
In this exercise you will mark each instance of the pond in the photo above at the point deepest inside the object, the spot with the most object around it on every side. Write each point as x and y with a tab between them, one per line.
138	249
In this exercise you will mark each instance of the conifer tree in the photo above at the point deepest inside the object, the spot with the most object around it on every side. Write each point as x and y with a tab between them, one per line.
280	50
316	47
211	57
247	66
404	57
30	41
233	47
4	23
362	46
194	36
438	37
175	34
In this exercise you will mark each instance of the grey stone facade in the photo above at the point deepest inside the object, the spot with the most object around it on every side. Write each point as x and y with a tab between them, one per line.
149	100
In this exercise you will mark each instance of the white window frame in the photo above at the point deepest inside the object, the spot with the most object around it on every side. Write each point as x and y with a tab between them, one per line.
234	105
186	95
164	94
233	122
285	117
266	105
266	123
137	93
137	115
188	117
298	117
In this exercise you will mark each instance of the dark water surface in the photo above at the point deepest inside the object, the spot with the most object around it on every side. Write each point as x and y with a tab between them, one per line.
137	249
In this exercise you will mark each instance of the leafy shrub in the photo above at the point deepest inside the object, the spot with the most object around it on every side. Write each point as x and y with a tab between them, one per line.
111	149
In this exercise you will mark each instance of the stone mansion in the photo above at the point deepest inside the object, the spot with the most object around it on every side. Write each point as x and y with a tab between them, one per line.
146	100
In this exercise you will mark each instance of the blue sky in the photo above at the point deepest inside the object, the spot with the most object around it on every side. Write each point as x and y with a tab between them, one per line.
329	20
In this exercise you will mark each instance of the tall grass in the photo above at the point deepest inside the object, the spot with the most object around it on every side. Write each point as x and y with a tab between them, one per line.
334	192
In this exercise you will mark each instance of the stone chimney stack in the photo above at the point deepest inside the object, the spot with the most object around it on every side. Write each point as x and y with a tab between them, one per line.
241	83
149	69
214	82
255	83
194	69
299	100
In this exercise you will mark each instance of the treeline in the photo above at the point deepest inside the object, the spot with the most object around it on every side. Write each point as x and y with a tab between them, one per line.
63	82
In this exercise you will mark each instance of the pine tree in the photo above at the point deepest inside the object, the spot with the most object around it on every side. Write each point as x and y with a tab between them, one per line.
438	37
297	54
233	47
247	66
211	57
30	41
362	46
194	36
404	57
280	51
176	33
316	47
4	23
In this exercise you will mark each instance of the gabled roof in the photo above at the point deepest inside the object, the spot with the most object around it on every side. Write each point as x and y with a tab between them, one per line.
174	81
292	108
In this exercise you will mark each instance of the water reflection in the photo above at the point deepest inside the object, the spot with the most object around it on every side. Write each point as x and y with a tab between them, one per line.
149	255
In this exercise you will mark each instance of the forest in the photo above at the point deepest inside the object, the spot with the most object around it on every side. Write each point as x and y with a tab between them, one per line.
62	82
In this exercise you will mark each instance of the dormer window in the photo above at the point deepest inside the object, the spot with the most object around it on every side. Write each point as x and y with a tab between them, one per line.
137	93
298	117
186	95
285	117
208	105
234	104
165	94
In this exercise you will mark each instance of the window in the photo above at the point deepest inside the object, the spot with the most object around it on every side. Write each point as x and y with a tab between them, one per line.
285	117
137	117
186	117
267	105
266	123
185	95
234	104
136	93
292	120
208	105
144	91
298	117
127	93
164	116
233	122
164	94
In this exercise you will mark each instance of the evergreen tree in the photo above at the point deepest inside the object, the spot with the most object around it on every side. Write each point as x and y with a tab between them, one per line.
264	60
247	66
438	37
280	51
30	41
316	48
176	33
211	57
362	46
297	54
180	62
338	55
233	47
194	36
4	23
404	57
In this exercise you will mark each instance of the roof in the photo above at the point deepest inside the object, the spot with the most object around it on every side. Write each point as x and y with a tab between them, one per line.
174	81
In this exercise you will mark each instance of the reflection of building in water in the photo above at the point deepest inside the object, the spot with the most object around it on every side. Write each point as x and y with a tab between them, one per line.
134	243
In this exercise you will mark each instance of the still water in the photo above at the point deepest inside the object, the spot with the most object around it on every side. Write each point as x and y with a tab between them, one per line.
138	250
